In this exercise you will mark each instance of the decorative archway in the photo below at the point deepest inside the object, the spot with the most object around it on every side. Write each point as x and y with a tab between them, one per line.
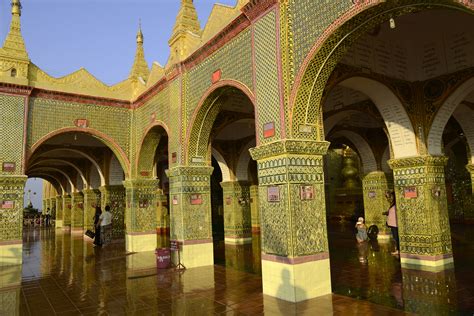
312	77
79	172
203	118
147	149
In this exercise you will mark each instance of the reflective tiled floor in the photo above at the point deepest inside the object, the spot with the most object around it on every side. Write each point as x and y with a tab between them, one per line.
64	274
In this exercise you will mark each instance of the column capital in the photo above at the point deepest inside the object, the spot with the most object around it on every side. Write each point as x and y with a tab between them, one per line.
378	174
289	146
13	179
234	184
77	194
415	161
189	170
141	183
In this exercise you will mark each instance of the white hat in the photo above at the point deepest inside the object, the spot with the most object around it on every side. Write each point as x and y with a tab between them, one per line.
360	220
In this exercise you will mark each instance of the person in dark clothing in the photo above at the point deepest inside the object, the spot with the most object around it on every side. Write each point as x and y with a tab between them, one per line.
98	212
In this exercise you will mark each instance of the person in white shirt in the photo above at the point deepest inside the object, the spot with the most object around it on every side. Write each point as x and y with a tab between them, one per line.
105	222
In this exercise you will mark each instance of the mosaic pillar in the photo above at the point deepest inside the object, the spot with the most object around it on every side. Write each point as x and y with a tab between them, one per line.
295	253
91	200
162	216
11	220
67	206
422	212
190	203
140	215
254	210
59	212
375	185
77	212
237	218
114	196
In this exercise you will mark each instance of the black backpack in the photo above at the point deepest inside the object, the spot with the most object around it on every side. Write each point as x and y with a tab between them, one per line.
372	232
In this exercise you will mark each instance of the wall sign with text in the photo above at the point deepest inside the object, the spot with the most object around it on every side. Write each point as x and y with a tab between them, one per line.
410	193
196	199
273	194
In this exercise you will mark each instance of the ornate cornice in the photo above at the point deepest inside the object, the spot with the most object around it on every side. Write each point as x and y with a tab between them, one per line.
417	161
289	146
79	98
187	170
255	8
141	183
15	89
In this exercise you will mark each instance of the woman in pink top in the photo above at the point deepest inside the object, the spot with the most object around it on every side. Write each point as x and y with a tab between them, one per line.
392	221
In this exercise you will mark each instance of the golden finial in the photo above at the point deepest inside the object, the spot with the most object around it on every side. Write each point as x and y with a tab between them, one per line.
16	7
140	34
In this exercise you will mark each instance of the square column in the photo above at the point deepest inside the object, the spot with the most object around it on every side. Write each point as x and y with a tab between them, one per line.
59	212
140	214
162	216
237	216
77	212
254	210
190	203
11	220
295	253
67	207
422	212
91	200
375	185
114	196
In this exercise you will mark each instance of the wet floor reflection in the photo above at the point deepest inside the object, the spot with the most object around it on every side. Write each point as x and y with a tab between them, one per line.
246	257
370	272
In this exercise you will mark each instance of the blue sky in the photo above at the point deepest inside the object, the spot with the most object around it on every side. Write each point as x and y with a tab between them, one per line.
62	36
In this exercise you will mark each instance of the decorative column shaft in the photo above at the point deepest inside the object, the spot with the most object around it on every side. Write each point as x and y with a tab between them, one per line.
140	214
237	218
190	202
254	209
91	200
469	214
162	216
67	206
422	212
375	185
59	211
77	212
295	254
11	220
114	196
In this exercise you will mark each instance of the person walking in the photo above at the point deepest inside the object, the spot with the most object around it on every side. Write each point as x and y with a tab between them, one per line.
48	217
392	221
98	212
105	223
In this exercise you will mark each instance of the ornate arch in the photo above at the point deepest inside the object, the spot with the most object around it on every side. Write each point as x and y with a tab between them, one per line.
105	139
79	171
205	114
148	145
447	109
369	163
51	179
307	92
66	176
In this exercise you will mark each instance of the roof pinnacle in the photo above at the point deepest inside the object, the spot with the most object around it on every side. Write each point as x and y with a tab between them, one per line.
140	66
139	33
16	7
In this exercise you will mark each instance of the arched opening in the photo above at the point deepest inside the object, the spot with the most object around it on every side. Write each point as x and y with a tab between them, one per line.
400	59
221	132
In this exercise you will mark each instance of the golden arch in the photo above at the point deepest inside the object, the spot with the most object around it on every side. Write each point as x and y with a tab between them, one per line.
148	145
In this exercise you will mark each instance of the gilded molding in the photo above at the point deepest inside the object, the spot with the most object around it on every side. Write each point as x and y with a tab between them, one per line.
411	162
289	146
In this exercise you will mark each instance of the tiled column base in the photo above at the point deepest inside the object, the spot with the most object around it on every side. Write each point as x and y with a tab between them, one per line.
195	253
139	242
11	253
296	279
426	263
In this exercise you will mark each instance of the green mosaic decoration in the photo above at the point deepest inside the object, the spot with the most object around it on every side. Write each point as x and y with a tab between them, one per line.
67	206
292	225
91	200
237	215
190	185
77	211
59	208
254	208
11	212
12	109
375	185
140	214
266	77
114	196
422	210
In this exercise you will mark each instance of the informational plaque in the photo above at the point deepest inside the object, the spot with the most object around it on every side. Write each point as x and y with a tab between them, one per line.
174	157
268	129
228	200
372	194
307	192
6	205
143	203
83	123
8	167
410	193
273	194
174	245
196	199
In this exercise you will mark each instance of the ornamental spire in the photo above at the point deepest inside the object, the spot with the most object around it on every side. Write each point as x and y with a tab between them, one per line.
140	66
14	45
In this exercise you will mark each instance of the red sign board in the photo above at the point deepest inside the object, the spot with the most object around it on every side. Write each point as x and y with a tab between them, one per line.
273	194
8	167
144	173
268	129
410	193
196	199
8	204
174	157
307	192
81	123
216	76
174	245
